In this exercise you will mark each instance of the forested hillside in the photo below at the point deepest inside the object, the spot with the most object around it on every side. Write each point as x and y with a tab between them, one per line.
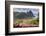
22	15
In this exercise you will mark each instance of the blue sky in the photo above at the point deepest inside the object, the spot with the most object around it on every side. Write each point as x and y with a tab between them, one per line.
34	11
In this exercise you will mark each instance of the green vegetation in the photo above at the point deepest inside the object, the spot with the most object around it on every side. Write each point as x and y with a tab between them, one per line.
19	21
25	18
27	21
22	15
36	22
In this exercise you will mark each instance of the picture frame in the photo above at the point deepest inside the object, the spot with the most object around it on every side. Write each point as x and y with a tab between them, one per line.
19	6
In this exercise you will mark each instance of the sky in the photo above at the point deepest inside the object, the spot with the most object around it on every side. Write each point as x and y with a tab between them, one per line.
34	11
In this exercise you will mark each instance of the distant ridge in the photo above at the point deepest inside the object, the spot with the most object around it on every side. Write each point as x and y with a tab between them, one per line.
21	15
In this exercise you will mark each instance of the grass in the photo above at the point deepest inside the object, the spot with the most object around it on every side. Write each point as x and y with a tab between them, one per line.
27	21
